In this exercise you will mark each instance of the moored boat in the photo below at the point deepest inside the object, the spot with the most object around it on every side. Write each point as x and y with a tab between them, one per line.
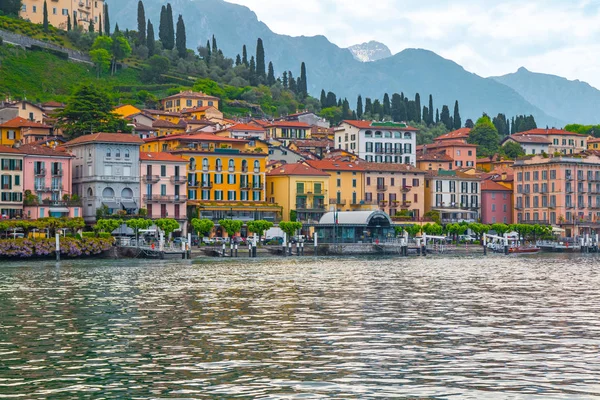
524	250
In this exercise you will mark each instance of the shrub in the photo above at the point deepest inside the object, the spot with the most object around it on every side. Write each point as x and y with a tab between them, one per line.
69	247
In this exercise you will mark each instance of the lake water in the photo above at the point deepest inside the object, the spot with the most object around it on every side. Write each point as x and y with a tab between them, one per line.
496	327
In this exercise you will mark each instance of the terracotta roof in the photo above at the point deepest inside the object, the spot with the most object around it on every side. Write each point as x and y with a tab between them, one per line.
53	104
189	93
595	140
160	112
6	149
161	156
315	143
433	156
288	124
452	175
196	109
261	122
141	127
334	165
206	137
103	137
446	143
246	127
379	125
550	132
19	122
296	169
389	167
525	139
201	121
161	123
461	133
489	185
40	150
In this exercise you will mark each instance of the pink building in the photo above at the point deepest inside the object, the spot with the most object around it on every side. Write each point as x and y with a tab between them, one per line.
47	183
562	190
496	203
164	179
463	154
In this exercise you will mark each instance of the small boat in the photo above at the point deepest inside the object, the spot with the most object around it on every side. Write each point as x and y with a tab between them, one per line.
524	250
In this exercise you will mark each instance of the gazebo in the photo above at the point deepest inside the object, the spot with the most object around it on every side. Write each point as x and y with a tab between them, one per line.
354	227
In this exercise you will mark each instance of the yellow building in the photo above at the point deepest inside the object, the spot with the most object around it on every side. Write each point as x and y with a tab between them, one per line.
432	161
593	143
209	113
126	110
287	131
346	183
187	99
173	117
22	131
84	11
166	128
299	188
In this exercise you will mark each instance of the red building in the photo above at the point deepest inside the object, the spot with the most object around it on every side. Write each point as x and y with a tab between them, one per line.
496	203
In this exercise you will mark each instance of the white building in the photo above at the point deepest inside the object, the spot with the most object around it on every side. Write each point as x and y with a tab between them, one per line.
455	195
380	142
531	144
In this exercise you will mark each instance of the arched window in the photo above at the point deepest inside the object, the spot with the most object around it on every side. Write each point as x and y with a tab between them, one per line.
219	164
244	165
127	193
192	164
118	153
205	164
231	165
108	193
126	153
256	166
108	152
90	192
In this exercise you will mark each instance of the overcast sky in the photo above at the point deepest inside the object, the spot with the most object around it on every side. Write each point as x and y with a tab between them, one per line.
560	37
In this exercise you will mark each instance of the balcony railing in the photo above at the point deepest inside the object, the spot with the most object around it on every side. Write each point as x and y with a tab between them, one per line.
406	189
308	207
193	184
339	202
258	186
57	172
536	222
150	198
178	180
151	178
382	188
40	171
207	185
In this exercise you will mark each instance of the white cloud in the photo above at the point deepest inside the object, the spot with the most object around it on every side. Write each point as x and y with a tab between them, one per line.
485	36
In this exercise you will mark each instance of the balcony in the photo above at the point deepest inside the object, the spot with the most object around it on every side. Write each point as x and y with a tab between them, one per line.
245	186
151	178
536	222
57	172
178	180
149	198
406	203
258	186
382	188
570	206
551	206
569	178
306	207
61	203
339	202
406	189
40	172
57	188
207	185
41	188
193	184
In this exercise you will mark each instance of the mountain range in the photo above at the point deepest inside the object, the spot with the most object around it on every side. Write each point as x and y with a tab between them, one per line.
370	51
554	101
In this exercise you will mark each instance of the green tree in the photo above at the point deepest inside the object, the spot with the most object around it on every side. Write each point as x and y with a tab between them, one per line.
513	149
260	61
500	122
231	226
10	8
434	229
457	120
413	230
500	229
120	50
100	26
45	17
290	227
479	229
359	105
445	117
398	108
430	108
150	39
170	38
101	58
259	227
107	225
303	89
167	225
469	124
437	115
203	227
485	135
68	22
141	23
91	27
136	224
106	20
89	109
245	58
433	216
270	75
417	108
154	68
181	38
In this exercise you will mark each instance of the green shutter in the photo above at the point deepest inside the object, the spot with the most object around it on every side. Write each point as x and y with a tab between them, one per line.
17	180
300	187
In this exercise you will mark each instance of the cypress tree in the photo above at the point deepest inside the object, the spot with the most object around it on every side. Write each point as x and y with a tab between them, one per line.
323	99
214	44
238	60
208	51
150	39
91	26
260	60
359	106
331	100
271	75
253	80
445	117
68	22
285	80
291	82
162	25
425	114
74	20
339	103
411	110
418	107
512	126
181	39
437	115
368	106
430	120
387	108
141	20
397	107
457	123
116	29
346	114
469	124
106	20
304	85
244	56
45	22
377	108
354	116
100	26
170	29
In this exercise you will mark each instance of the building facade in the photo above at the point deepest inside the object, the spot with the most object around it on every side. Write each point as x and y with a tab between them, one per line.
455	195
463	155
288	131
188	99
82	11
22	131
561	141
531	144
496	203
106	173
380	142
11	183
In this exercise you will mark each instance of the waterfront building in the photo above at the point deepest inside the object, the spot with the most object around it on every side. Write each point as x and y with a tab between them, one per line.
11	182
346	183
21	131
187	99
285	132
395	188
82	11
21	109
299	189
164	179
380	142
461	135
496	203
454	194
561	141
531	144
430	160
354	227
558	190
243	131
48	182
106	173
464	155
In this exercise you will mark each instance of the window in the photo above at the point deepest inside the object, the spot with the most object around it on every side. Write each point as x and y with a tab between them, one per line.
163	170
231	195
54	11
108	153
118	153
126	153
256	196
218	195
231	179
34	8
219	165
65	11
256	166
188	103
353	183
163	190
339	183
219	179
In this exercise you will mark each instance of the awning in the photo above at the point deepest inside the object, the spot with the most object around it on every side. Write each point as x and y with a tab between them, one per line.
111	204
128	205
58	209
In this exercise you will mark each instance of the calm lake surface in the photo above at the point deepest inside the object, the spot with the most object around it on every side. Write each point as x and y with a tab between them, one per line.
496	327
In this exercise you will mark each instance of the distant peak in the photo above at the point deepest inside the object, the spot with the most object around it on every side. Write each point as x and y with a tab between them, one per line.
522	69
370	51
